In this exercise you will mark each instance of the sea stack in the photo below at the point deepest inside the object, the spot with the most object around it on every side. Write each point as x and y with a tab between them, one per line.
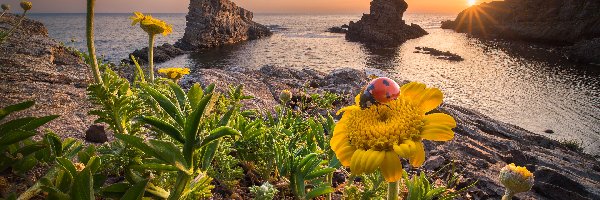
384	25
212	23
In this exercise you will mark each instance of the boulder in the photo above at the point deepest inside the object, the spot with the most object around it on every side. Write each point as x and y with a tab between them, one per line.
212	23
384	25
96	134
585	51
162	53
553	21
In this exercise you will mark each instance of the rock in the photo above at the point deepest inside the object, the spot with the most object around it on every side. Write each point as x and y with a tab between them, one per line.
448	24
554	21
96	134
162	53
338	29
443	55
434	163
549	131
212	23
36	67
553	184
384	25
585	51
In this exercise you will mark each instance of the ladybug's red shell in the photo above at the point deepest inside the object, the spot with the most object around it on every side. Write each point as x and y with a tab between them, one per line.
380	90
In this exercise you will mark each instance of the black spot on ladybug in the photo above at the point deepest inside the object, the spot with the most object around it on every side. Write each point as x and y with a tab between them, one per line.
370	88
386	83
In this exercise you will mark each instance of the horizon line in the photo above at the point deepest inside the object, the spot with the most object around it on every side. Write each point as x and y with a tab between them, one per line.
260	13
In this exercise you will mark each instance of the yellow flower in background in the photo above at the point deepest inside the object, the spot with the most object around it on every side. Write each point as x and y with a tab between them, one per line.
285	96
375	137
516	179
26	5
174	73
151	25
5	7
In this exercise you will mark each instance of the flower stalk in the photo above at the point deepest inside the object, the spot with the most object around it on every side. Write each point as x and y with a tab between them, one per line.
151	57
93	61
393	188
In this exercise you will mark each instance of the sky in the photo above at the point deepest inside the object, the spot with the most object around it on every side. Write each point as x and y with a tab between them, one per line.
257	6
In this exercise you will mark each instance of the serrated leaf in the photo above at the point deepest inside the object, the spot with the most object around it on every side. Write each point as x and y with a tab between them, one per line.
67	165
169	153
194	95
181	97
15	136
155	167
166	104
83	186
165	127
319	173
37	122
193	121
209	89
93	164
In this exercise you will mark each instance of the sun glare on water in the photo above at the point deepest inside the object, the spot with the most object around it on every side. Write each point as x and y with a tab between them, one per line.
471	2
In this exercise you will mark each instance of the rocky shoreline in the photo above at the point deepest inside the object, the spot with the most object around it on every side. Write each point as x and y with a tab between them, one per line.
562	22
39	68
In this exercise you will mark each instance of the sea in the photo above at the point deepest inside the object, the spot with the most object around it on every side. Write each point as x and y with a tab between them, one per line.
529	85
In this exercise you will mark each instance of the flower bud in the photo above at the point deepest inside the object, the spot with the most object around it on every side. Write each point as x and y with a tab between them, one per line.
5	7
285	96
516	179
26	5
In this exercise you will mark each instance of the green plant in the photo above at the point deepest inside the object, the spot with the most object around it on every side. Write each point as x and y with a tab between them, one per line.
573	145
17	149
186	126
373	186
264	192
26	7
420	188
89	32
74	180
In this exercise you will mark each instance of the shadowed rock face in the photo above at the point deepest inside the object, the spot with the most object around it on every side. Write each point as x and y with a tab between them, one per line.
556	21
212	23
384	25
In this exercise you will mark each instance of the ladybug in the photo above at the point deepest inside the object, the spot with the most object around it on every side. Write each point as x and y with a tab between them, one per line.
379	91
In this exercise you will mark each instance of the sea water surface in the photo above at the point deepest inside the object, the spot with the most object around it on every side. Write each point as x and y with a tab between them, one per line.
531	86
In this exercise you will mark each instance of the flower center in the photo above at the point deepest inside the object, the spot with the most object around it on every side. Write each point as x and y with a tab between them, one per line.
380	127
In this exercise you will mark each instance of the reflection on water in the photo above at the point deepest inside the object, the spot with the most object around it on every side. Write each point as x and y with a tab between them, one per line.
529	86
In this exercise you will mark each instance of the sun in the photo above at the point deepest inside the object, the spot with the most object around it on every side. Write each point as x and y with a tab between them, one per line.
471	2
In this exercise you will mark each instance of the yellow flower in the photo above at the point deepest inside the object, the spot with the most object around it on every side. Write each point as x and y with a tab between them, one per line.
26	5
375	137
174	73
516	179
151	25
79	166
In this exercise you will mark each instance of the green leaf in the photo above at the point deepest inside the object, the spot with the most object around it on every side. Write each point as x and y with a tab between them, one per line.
136	192
319	191
14	108
36	123
139	144
93	164
193	121
209	154
225	119
29	149
83	186
155	167
164	126
14	125
305	160
56	145
138	69
195	94
209	89
166	104
15	136
67	165
319	173
219	133
181	97
170	153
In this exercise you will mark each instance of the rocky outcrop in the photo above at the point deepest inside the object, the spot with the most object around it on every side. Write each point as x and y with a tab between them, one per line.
556	21
212	23
585	51
162	53
442	55
384	25
36	67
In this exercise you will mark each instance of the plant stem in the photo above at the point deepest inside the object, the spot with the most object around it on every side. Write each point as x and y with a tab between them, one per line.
15	27
90	41
2	13
329	180
393	191
180	185
508	195
151	56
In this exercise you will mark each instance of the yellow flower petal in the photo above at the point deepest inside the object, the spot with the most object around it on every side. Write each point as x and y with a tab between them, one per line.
373	160
345	155
412	90
405	150
439	118
431	99
419	155
437	133
356	166
391	167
